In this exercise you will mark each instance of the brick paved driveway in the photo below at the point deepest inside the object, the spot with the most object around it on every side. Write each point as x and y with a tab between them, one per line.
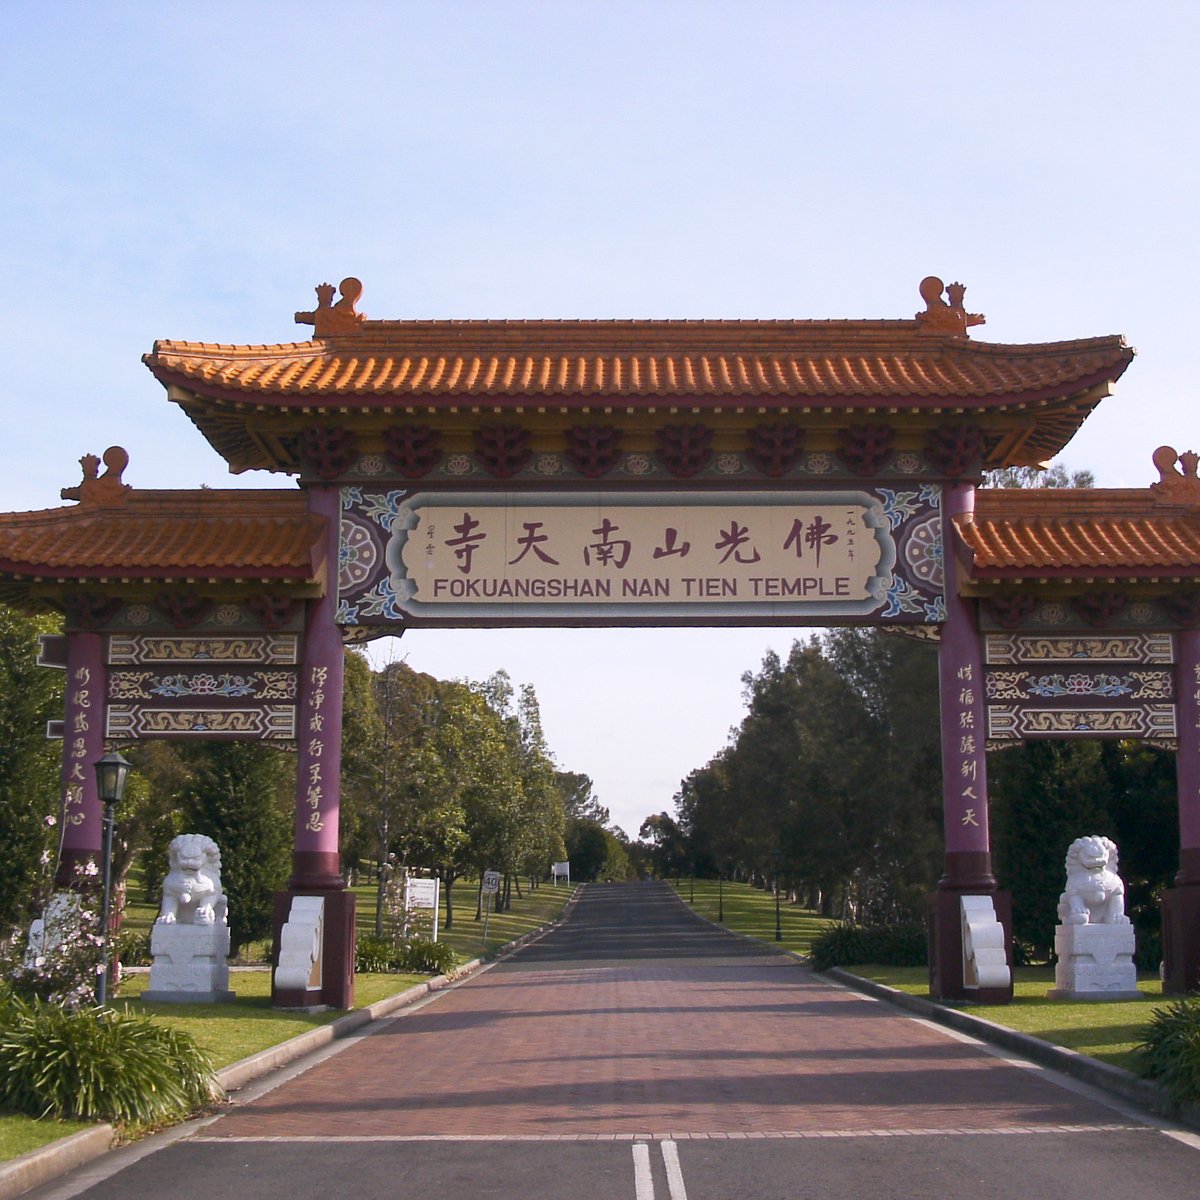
637	1018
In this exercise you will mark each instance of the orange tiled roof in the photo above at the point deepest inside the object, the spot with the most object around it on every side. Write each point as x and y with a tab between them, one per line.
1063	532
161	534
407	361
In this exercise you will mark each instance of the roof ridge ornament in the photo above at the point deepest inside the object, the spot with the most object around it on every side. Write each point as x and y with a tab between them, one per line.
101	490
329	319
939	317
1176	486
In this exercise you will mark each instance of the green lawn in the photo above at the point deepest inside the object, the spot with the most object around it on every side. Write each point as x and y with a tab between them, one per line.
229	1032
751	911
534	908
1103	1029
1106	1030
19	1135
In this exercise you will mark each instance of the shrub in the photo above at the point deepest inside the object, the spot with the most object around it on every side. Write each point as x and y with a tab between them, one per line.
438	958
1169	1052
132	948
889	945
380	956
99	1065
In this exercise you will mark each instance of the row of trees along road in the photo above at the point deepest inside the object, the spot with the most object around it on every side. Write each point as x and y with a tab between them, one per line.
833	783
451	777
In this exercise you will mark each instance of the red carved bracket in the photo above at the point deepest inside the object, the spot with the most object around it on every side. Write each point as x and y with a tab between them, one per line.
685	449
954	450
329	449
183	609
91	610
1098	608
272	611
502	450
594	449
865	448
1009	611
414	450
774	449
1183	608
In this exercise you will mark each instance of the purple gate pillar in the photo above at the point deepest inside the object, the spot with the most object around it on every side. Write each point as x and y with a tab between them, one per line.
316	863
964	780
1181	904
83	743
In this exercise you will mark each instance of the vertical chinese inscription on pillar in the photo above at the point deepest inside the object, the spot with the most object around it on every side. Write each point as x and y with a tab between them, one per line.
968	745
315	747
77	755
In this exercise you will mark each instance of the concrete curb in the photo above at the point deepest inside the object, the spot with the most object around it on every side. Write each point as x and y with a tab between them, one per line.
1119	1082
49	1162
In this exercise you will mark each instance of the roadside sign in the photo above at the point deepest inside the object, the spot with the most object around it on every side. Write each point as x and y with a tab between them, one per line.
491	881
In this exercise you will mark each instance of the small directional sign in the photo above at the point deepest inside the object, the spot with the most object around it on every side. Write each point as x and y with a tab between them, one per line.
491	881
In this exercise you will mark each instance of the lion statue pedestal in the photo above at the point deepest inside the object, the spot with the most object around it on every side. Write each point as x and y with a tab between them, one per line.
1094	942
190	939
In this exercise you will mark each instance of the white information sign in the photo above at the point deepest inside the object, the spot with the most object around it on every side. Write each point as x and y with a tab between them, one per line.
422	894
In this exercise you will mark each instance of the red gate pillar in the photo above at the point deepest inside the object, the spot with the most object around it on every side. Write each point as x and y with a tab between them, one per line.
316	863
83	744
964	782
1181	904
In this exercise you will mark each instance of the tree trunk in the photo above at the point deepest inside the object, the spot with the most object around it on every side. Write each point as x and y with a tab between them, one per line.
447	883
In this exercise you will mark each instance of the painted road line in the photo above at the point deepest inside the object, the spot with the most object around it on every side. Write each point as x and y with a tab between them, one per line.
674	1173
643	1180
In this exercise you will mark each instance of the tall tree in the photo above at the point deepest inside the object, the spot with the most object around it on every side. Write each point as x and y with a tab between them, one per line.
240	795
30	820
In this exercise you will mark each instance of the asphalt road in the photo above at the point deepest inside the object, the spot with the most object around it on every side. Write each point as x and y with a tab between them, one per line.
637	1053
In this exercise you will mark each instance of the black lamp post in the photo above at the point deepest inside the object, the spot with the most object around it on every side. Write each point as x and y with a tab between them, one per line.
776	856
692	884
720	897
111	773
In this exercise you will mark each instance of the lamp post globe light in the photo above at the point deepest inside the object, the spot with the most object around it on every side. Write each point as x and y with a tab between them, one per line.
111	773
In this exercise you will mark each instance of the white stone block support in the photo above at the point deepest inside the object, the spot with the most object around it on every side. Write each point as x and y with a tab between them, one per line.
300	944
985	962
1095	962
190	964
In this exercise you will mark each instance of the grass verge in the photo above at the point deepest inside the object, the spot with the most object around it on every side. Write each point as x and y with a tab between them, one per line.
20	1134
1106	1030
751	911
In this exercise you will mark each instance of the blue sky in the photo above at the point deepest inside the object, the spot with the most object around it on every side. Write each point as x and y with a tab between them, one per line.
184	171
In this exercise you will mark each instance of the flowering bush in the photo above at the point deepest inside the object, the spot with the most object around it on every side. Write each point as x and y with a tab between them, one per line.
62	953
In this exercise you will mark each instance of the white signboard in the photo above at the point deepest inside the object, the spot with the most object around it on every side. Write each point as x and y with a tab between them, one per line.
560	870
469	554
491	882
422	894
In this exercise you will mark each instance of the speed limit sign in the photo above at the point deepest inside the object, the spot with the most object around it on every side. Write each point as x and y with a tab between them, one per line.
491	881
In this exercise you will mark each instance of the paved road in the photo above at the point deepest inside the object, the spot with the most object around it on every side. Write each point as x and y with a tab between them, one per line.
637	1053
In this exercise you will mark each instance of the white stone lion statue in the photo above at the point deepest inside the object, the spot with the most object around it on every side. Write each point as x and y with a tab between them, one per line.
192	893
1095	894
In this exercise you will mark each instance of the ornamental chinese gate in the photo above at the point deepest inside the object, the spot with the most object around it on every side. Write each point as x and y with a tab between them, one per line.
483	473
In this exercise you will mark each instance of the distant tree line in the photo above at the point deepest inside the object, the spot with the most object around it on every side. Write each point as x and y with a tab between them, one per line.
832	784
444	776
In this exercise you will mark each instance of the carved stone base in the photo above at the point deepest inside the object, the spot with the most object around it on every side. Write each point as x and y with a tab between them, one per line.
190	964
1095	962
335	988
947	974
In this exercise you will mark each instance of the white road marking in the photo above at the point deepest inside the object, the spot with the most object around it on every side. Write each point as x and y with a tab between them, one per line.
643	1181
675	1186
